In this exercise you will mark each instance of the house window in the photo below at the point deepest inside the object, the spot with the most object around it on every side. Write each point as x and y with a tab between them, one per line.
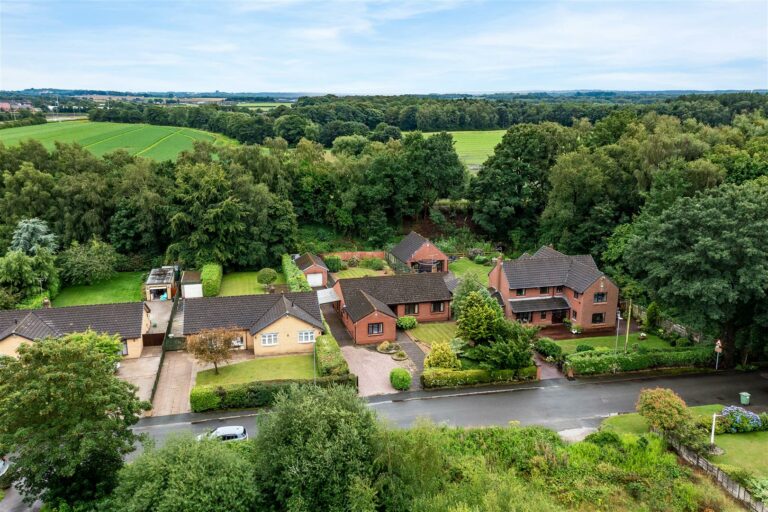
269	339
306	336
601	297
524	317
598	318
520	291
238	342
559	289
573	314
576	295
374	329
411	309
438	307
544	289
543	315
125	347
439	266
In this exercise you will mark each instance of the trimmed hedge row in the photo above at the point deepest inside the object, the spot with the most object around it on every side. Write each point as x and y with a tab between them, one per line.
254	394
594	362
548	348
211	276
330	360
440	378
297	281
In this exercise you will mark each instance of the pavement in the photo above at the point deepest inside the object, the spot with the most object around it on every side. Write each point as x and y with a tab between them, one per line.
141	371
416	356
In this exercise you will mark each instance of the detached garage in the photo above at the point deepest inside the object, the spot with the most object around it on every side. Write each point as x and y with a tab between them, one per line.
191	285
314	268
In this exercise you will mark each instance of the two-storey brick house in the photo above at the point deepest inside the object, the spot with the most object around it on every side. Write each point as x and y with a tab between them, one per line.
548	287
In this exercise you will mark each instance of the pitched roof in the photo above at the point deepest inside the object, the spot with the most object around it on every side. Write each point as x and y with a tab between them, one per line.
545	304
381	292
308	259
124	319
252	312
407	246
548	267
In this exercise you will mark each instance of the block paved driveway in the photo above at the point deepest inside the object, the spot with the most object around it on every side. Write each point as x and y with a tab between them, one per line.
177	377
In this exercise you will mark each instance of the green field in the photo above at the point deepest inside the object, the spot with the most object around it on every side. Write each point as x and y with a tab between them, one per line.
155	142
124	287
245	283
264	105
476	146
263	368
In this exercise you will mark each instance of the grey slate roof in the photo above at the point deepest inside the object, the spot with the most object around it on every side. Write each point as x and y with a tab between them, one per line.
548	267
451	281
545	304
308	259
407	246
124	319
382	292
252	312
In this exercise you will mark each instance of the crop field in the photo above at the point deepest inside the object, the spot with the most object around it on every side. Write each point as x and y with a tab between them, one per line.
474	147
265	105
155	142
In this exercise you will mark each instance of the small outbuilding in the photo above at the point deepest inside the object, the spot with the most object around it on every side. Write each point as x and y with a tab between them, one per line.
191	285
161	283
314	268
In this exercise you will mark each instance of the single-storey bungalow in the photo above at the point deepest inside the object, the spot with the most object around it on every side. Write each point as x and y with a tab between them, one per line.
548	287
370	306
128	320
416	253
270	324
314	268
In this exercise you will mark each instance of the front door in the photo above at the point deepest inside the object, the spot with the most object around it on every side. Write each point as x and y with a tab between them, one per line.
558	316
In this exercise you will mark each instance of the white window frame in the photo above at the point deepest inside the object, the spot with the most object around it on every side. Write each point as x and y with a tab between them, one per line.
307	334
238	342
269	336
440	307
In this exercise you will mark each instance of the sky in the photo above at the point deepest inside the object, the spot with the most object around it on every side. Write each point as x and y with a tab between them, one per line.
384	47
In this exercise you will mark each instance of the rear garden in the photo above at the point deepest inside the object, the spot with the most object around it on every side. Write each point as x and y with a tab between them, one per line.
123	287
260	369
464	267
358	272
246	283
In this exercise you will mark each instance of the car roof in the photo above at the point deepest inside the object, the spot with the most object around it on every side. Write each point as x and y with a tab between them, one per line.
228	431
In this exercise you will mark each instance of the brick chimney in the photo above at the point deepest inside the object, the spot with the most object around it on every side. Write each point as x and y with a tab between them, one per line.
497	271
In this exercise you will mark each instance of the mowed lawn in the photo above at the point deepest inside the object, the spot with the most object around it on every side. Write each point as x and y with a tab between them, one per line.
569	346
156	142
633	423
358	272
474	147
244	283
434	332
464	266
264	368
124	287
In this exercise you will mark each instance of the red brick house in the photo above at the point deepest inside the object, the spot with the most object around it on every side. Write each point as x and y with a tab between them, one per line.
314	268
418	254
370	306
548	287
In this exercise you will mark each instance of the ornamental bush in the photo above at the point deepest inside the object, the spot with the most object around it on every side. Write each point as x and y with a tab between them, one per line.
333	263
741	420
584	347
663	409
442	356
548	348
266	276
400	379
211	276
407	322
372	263
297	281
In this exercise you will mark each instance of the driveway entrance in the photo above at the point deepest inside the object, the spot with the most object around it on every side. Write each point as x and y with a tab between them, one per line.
176	380
141	371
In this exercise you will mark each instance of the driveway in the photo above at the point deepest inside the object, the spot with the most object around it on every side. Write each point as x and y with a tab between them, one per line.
176	379
337	326
372	369
141	371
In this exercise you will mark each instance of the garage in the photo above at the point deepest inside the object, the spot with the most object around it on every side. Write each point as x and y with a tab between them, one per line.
315	279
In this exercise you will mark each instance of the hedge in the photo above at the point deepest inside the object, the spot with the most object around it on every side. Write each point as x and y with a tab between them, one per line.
407	322
330	360
548	348
438	377
333	263
297	281
594	362
254	394
211	277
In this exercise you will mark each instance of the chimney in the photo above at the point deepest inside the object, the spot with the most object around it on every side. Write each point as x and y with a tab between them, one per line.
499	270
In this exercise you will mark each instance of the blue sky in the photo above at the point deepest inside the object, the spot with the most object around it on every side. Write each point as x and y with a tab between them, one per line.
382	46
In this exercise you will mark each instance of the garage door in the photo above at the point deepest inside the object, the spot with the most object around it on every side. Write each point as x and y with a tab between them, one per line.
315	279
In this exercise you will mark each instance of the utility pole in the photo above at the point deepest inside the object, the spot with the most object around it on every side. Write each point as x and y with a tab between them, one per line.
629	324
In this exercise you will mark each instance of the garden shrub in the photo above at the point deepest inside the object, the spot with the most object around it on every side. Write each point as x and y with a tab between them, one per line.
741	420
386	347
353	262
652	316
400	379
204	398
595	362
604	438
211	276
582	347
400	355
481	259
266	276
372	263
548	348
330	360
333	263
407	322
663	409
442	356
297	281
440	377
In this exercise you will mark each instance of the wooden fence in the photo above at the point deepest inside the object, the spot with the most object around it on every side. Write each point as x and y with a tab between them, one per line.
727	483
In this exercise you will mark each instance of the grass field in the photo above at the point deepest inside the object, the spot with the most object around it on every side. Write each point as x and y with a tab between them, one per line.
464	266
358	272
124	287
569	346
474	147
244	283
434	332
155	142
264	368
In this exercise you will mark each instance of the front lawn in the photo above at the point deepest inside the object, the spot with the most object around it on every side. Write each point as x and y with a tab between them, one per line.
569	346
635	424
464	266
358	272
434	332
262	368
245	283
124	287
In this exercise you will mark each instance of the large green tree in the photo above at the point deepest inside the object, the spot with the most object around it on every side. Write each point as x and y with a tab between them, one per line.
32	235
65	420
705	259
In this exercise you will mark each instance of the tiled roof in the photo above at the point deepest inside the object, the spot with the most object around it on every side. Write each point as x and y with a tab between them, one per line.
548	267
451	281
124	319
252	312
308	259
361	304
407	246
392	290
545	304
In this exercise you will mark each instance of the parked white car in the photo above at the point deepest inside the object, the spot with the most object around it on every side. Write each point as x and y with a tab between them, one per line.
235	433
